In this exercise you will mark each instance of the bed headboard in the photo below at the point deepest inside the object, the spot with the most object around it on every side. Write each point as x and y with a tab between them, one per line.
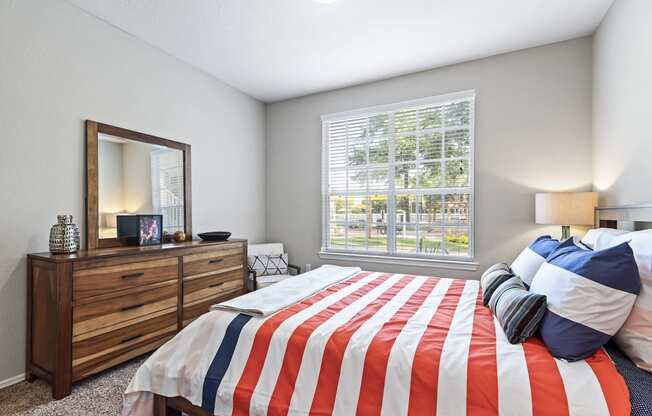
630	217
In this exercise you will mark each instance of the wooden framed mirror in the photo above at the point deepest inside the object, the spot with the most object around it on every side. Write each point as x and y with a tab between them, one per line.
129	173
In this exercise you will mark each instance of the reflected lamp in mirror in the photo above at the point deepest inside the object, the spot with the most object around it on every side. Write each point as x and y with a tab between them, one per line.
566	209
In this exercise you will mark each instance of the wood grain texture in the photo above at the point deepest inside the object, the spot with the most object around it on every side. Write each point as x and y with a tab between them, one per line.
161	407
118	325
62	377
225	249
87	257
41	374
85	310
120	336
43	334
92	186
121	260
80	308
218	288
245	270
212	263
237	268
132	308
194	310
139	137
187	190
109	243
113	295
201	281
112	360
101	280
125	345
180	297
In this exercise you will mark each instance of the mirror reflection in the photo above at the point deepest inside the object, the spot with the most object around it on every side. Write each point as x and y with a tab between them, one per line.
139	178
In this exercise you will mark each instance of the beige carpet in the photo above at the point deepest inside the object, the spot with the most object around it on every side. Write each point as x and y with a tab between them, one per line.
100	395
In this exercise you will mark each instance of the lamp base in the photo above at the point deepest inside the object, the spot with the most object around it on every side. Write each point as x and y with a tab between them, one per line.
565	232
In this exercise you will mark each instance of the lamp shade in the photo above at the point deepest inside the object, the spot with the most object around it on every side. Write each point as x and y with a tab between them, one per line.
566	208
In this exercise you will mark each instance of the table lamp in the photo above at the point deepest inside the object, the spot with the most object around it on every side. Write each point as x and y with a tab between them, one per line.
566	209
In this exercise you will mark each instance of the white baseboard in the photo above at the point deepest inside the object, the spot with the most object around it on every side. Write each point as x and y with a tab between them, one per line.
12	380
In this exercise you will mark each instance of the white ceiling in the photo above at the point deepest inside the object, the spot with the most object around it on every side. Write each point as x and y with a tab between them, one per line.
277	49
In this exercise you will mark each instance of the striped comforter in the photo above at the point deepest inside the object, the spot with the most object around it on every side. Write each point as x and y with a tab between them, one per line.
374	344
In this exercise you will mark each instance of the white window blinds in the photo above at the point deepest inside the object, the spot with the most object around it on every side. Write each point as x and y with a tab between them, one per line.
398	179
167	188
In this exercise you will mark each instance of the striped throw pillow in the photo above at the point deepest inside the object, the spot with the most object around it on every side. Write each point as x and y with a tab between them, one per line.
518	311
493	277
528	262
590	294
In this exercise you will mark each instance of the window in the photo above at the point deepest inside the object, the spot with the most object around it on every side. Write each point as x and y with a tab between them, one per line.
398	179
167	188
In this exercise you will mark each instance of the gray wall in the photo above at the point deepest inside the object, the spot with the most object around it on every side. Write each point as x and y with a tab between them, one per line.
533	133
622	89
59	66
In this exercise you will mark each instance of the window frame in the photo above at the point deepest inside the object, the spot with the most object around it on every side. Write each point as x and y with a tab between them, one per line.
413	259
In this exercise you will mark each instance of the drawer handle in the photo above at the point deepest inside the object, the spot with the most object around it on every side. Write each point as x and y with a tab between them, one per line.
216	284
124	341
215	261
131	275
128	308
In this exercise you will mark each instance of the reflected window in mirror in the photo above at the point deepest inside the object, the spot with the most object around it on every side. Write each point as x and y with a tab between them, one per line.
167	187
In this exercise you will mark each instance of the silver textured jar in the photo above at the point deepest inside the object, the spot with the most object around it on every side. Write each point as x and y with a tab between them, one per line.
64	236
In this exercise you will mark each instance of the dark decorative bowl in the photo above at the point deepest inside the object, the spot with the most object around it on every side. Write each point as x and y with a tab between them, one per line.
215	236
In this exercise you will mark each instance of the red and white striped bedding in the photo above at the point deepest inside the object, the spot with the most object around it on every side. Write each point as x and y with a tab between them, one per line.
374	344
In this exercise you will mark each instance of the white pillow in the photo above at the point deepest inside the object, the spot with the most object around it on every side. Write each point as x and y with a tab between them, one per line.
599	238
635	336
527	264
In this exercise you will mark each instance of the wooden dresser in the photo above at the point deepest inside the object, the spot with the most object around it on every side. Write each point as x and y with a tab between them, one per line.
94	309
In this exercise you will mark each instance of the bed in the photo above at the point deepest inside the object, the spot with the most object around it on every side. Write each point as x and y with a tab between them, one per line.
639	382
370	343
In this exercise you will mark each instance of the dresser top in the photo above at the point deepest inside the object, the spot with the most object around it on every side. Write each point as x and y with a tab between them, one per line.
129	250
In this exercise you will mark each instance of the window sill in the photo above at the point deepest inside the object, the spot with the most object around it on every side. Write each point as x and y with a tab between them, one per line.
465	265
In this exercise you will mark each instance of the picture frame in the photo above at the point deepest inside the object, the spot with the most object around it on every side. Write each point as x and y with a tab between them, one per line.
140	229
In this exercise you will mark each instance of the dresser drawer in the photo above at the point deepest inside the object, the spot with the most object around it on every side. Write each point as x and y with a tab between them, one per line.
225	258
89	365
217	285
103	314
196	309
87	345
119	277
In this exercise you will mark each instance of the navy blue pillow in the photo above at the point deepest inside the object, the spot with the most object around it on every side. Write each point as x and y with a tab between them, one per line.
570	242
590	295
544	245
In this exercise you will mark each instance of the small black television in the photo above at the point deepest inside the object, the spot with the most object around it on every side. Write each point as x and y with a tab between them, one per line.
140	230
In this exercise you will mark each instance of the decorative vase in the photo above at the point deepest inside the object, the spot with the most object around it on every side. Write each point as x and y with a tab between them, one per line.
64	235
179	236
